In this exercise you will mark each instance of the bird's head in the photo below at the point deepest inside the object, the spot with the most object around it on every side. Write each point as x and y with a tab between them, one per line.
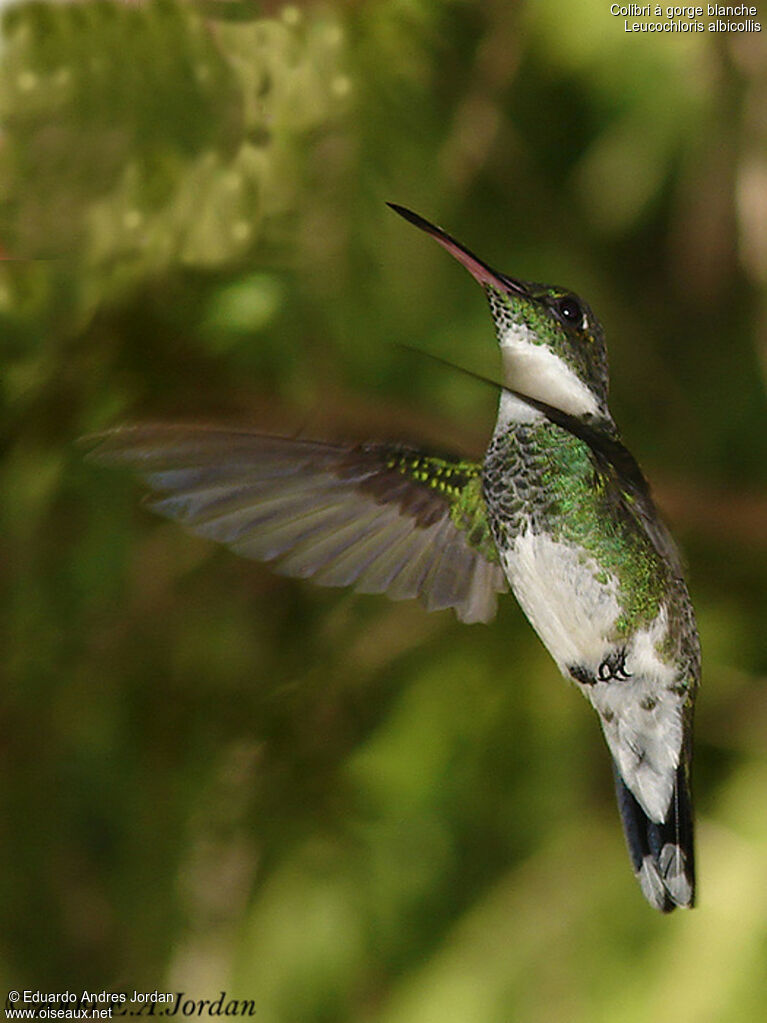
552	344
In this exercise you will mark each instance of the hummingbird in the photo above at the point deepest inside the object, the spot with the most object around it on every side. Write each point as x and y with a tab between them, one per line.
558	511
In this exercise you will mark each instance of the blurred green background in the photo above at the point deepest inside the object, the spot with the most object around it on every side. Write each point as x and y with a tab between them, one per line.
342	808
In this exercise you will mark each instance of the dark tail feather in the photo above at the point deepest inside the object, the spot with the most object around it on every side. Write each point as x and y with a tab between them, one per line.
663	854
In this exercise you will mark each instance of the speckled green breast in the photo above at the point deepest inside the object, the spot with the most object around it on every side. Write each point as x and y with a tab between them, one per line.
543	479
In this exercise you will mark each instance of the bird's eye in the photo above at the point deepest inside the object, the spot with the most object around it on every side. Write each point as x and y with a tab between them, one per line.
569	310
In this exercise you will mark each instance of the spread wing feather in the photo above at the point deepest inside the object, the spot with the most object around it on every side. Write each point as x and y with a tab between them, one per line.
381	518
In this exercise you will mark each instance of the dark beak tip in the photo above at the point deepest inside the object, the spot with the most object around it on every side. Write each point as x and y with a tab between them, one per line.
478	269
413	218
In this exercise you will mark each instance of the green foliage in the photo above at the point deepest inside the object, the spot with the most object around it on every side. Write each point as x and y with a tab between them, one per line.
339	807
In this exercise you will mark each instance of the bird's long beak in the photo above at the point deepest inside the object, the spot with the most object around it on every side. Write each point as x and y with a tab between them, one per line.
478	269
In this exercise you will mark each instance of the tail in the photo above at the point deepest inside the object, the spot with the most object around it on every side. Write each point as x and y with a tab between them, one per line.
662	854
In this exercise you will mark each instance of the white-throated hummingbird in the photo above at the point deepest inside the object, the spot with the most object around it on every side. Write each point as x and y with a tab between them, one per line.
558	510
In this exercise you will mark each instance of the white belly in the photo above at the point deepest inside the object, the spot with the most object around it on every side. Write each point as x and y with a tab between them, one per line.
574	607
570	604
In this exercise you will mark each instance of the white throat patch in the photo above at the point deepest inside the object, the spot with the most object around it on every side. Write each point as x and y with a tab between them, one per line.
535	370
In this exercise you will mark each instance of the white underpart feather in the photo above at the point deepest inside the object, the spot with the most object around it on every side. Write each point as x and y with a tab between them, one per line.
535	370
557	588
512	409
646	743
574	613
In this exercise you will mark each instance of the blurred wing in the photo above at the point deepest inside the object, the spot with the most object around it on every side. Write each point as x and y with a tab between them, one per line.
381	518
